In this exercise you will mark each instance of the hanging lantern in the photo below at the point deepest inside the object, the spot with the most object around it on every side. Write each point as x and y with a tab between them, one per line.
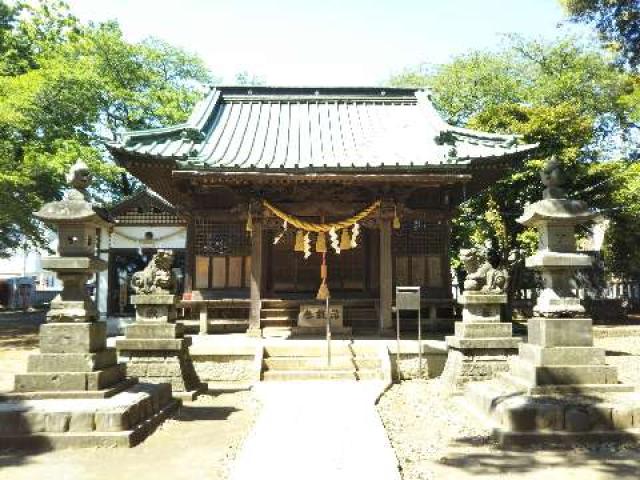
321	243
345	240
335	243
299	243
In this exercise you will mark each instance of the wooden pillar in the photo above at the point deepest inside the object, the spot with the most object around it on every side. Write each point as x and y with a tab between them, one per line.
386	272
256	276
190	256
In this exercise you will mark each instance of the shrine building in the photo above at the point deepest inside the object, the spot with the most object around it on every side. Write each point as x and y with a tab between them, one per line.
272	183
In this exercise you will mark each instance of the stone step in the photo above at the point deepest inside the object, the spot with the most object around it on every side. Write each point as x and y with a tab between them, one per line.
83	422
318	348
313	363
277	322
297	375
69	381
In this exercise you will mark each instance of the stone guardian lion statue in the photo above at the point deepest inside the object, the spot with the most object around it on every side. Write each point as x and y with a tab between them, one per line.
157	277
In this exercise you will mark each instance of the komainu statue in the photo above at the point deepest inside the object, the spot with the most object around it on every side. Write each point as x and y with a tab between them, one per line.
157	277
483	274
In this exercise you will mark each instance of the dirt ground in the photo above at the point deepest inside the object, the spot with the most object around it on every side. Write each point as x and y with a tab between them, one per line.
433	436
198	443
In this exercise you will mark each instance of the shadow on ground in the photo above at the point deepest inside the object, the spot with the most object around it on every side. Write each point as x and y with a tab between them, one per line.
192	413
604	460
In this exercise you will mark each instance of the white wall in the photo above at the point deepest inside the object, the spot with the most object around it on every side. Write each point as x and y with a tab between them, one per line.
133	237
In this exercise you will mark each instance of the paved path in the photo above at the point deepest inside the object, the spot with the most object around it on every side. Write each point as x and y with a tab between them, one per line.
317	430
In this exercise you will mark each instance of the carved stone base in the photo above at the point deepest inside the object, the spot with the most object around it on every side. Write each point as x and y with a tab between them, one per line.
162	361
474	365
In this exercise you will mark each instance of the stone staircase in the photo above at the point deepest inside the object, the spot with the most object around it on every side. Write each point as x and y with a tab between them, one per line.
307	360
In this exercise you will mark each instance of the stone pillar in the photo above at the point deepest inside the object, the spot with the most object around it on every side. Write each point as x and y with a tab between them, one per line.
256	277
154	346
386	270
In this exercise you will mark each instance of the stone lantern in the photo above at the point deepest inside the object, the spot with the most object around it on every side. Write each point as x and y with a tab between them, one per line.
559	387
73	354
75	393
77	224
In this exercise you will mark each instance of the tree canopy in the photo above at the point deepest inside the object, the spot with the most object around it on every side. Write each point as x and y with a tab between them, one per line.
569	98
65	88
617	21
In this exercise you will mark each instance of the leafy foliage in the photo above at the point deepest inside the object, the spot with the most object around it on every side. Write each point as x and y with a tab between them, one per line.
571	100
618	22
65	88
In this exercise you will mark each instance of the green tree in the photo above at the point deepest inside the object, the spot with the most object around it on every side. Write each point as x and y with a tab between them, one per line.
65	88
617	21
565	96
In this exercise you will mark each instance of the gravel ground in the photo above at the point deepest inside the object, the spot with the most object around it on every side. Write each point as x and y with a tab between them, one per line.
434	436
412	408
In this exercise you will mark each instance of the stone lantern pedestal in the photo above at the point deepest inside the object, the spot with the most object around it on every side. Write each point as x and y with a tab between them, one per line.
482	343
154	346
559	388
74	393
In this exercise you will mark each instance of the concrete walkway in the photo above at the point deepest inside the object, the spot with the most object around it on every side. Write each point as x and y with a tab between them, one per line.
317	430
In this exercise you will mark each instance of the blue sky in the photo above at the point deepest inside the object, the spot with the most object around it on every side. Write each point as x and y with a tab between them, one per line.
326	42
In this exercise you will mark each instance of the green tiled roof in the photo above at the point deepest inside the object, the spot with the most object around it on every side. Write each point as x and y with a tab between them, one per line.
315	129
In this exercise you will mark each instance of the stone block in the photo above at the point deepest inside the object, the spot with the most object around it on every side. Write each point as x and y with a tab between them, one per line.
518	414
135	413
622	417
542	356
115	420
57	422
39	382
482	343
563	375
105	378
483	330
480	298
73	337
151	344
153	299
71	362
577	419
549	416
560	332
547	259
12	421
136	369
35	421
82	422
601	416
153	330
